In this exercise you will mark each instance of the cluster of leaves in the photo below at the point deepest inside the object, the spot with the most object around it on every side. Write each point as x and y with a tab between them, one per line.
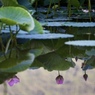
11	59
47	53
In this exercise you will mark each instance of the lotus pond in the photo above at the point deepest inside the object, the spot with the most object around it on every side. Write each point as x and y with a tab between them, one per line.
47	48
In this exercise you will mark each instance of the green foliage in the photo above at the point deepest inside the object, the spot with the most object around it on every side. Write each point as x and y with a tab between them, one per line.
91	61
9	2
82	2
17	64
52	61
4	76
75	3
17	16
38	27
90	52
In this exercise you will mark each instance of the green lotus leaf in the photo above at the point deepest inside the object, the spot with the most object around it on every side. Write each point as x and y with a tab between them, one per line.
37	51
9	2
17	16
91	61
17	64
52	61
36	64
71	51
90	52
75	3
4	76
38	28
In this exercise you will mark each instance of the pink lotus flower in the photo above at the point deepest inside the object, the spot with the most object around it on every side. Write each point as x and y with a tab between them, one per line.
13	81
59	79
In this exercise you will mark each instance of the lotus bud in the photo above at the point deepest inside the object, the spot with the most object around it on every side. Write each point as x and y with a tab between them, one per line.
85	76
14	80
59	79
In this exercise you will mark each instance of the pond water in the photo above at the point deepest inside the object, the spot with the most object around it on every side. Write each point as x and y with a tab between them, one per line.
54	55
57	57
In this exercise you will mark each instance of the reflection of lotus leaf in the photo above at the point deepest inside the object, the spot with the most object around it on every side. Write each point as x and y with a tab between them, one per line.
91	52
71	51
16	64
52	61
4	76
80	31
91	61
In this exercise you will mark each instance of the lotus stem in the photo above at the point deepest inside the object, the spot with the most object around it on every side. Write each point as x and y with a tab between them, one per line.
1	26
17	29
54	9
5	88
58	72
89	8
59	4
7	46
49	8
69	8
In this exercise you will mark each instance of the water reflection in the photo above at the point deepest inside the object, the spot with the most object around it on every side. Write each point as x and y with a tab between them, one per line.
45	83
43	59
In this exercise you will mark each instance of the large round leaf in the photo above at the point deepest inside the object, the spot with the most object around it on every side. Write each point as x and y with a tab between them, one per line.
17	16
52	61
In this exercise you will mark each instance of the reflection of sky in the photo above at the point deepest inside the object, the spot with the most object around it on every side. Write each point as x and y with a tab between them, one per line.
42	82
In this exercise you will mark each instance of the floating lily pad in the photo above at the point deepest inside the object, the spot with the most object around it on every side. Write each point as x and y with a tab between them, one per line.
81	43
45	36
74	24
